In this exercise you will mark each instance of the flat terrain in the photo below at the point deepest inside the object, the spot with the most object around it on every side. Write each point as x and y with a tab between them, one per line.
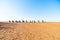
30	31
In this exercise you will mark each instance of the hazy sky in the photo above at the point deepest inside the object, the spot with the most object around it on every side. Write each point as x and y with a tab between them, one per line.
48	10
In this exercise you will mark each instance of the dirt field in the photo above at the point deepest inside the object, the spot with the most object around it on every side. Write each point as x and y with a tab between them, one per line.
30	31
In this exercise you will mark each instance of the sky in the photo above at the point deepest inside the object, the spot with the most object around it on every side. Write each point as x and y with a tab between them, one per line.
48	10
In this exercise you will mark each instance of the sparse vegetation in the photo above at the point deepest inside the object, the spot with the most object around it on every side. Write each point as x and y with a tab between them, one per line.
9	21
38	21
34	21
23	21
16	21
19	21
26	21
12	21
42	21
30	21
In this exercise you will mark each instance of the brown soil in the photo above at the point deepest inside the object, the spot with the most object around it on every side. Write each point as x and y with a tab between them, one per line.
30	31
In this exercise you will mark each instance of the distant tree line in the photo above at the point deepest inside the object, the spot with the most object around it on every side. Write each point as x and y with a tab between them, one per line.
23	21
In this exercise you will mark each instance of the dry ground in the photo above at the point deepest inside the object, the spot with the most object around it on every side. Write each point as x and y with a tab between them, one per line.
30	31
